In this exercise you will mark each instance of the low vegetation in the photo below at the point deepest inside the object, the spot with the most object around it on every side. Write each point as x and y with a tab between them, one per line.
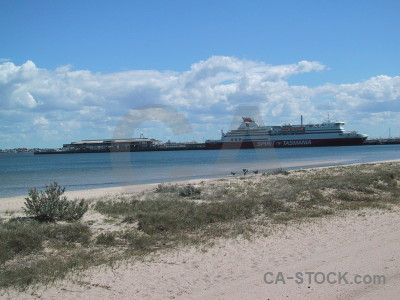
53	241
51	206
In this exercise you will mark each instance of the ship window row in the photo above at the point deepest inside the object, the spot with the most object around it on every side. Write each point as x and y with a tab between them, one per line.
232	135
236	139
247	132
302	132
241	132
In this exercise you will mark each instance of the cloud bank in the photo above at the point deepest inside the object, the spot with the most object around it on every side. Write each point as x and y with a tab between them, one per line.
49	107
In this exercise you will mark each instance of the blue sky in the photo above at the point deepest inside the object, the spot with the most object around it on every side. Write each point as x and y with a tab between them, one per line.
71	70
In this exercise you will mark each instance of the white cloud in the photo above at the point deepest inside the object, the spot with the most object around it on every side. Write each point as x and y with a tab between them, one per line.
41	121
84	104
380	93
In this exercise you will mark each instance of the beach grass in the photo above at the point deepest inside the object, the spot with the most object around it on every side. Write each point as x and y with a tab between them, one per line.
173	215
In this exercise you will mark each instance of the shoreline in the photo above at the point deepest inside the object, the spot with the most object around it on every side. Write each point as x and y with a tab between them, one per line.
16	203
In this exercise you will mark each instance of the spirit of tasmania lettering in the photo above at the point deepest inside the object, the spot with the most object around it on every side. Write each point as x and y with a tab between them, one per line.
265	144
297	143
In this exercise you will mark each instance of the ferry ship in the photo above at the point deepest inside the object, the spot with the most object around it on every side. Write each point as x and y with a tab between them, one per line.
252	135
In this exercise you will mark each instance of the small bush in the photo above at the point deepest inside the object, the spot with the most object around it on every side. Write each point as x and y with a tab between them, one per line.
46	269
279	171
51	206
24	237
166	188
74	210
218	193
116	208
187	216
69	233
157	222
140	242
130	219
351	197
189	190
107	239
273	206
20	238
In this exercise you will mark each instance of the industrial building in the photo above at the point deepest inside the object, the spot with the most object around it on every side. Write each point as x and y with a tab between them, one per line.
110	145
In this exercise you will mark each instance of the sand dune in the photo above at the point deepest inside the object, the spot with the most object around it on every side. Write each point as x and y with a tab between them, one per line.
358	243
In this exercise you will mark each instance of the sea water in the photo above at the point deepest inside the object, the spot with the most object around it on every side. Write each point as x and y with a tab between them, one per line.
21	171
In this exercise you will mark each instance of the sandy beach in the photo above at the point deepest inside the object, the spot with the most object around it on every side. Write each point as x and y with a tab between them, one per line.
362	242
365	244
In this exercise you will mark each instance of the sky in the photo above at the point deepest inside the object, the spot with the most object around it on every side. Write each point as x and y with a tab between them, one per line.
75	70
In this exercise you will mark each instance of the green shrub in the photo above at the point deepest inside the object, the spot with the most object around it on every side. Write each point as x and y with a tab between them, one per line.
69	233
130	219
116	208
279	171
166	188
350	197
20	238
107	239
178	215
189	190
273	206
162	221
51	206
140	242
23	236
46	269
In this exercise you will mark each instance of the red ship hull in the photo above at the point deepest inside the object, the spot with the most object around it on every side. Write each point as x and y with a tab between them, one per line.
284	143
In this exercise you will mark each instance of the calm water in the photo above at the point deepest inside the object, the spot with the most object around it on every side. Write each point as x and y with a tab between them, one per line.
21	171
